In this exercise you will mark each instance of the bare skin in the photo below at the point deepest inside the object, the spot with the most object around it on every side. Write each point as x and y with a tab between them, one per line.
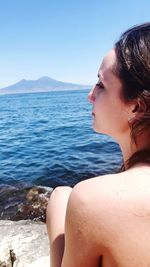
104	221
56	212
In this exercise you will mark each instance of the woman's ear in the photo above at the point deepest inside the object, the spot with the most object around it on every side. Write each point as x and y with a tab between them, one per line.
138	108
132	111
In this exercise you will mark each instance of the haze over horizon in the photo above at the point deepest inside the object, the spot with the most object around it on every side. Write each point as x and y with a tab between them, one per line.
63	39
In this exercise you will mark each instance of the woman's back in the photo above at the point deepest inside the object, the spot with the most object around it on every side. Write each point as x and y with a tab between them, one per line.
120	221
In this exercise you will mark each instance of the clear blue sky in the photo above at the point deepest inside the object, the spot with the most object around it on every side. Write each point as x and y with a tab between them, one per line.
62	39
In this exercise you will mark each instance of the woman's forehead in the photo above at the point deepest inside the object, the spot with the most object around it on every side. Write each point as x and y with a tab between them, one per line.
108	65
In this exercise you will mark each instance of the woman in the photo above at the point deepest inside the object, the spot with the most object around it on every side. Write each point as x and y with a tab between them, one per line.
107	218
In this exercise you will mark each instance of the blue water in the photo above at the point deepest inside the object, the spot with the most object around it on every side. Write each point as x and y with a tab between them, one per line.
47	139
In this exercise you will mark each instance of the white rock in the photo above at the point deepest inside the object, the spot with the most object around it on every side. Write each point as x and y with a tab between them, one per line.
43	261
27	241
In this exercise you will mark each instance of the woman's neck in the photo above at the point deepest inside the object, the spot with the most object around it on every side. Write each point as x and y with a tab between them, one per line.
127	147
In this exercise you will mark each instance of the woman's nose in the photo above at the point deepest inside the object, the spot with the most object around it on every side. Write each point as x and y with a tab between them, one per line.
91	96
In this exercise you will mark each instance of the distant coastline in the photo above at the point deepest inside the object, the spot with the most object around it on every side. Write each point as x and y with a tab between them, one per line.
43	84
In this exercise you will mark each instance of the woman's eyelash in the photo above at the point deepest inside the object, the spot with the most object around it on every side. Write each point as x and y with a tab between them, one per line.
100	85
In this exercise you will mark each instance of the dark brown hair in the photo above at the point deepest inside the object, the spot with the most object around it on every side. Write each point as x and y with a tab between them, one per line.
133	68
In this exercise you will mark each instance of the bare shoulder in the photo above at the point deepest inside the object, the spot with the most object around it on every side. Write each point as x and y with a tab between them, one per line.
110	210
92	205
131	184
111	200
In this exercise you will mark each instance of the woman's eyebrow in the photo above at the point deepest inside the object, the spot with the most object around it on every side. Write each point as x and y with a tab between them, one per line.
100	76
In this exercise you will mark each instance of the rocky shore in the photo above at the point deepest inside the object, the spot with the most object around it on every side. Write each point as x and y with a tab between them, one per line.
27	203
23	244
23	234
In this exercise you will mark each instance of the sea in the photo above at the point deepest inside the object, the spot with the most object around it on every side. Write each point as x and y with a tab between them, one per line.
47	140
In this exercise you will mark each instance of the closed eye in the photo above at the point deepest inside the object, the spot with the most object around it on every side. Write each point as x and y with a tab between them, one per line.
100	85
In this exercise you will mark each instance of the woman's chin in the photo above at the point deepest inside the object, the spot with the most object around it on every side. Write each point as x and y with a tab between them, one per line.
95	128
98	130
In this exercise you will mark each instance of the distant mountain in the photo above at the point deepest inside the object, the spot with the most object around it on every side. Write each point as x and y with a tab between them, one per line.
44	84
